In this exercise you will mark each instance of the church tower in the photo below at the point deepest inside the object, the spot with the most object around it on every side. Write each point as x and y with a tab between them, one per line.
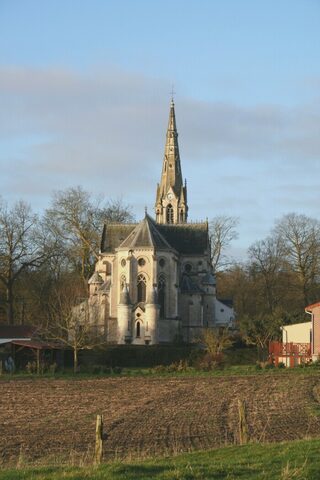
171	202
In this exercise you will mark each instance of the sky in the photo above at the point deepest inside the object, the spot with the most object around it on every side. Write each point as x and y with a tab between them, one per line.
85	94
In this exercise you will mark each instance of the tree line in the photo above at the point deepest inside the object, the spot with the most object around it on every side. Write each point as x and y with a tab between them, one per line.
47	259
42	257
280	277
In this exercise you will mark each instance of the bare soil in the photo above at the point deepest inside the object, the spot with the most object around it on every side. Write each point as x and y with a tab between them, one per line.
42	418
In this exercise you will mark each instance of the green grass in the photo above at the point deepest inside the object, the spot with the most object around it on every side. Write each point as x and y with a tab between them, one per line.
299	460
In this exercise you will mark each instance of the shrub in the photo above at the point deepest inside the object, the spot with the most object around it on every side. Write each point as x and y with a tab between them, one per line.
31	367
315	364
281	365
208	362
216	341
159	369
180	366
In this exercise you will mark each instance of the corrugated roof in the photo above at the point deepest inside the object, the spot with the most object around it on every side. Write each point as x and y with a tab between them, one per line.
36	344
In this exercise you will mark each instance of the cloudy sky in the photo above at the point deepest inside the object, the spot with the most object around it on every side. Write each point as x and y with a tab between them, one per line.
84	100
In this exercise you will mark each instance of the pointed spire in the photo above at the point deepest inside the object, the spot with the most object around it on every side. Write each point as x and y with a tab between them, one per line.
171	170
172	127
171	183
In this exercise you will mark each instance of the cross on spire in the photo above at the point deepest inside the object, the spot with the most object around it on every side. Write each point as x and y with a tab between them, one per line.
172	93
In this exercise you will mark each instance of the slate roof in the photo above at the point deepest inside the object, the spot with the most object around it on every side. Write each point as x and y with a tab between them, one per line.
227	302
105	287
186	238
95	278
146	234
114	234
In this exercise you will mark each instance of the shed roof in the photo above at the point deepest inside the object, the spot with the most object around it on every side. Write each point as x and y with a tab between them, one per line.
34	344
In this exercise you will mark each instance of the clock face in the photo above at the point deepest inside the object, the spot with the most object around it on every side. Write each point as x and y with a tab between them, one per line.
169	196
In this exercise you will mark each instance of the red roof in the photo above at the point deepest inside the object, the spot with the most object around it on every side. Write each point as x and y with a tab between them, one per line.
312	306
36	344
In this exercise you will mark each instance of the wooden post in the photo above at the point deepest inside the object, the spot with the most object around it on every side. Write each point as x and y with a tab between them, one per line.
243	428
98	452
38	361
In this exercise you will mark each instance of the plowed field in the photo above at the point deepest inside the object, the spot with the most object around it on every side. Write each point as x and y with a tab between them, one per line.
43	418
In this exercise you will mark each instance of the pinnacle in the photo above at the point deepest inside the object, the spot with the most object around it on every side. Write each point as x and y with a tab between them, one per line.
171	177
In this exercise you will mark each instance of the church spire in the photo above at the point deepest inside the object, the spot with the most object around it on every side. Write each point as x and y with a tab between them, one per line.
171	204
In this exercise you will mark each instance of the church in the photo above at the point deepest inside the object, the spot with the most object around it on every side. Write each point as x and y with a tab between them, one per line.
153	282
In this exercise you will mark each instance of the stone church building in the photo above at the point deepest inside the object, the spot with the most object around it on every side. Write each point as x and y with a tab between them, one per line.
153	282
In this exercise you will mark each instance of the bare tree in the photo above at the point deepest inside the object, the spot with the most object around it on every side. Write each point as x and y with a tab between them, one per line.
76	217
300	236
222	231
266	258
70	320
216	341
20	248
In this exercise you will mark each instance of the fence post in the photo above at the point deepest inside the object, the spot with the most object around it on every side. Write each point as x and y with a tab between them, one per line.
243	428
98	452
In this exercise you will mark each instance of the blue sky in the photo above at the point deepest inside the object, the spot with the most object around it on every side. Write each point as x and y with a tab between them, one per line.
84	99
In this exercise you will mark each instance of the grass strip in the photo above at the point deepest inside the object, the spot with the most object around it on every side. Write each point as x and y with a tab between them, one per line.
299	460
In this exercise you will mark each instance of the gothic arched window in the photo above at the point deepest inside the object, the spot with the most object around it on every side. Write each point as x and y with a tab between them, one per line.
169	213
141	288
138	329
162	295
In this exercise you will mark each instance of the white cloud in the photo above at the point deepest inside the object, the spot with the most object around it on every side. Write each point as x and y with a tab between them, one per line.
106	129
